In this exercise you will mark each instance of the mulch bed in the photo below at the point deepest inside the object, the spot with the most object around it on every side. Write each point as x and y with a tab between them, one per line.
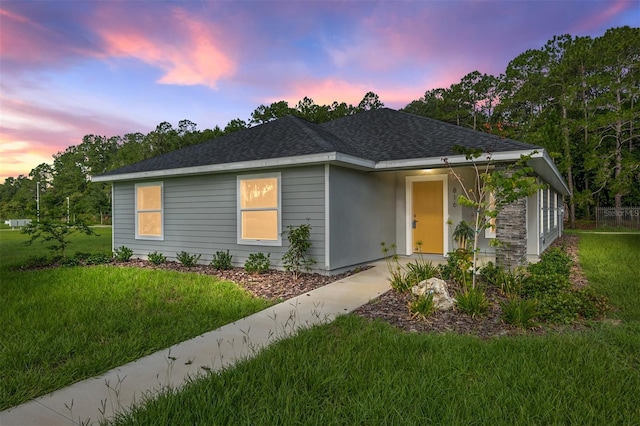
391	307
269	285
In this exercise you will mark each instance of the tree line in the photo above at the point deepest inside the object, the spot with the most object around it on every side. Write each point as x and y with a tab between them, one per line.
575	96
64	187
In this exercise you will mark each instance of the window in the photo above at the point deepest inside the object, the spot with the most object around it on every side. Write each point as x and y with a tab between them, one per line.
548	209
149	217
555	209
259	212
490	232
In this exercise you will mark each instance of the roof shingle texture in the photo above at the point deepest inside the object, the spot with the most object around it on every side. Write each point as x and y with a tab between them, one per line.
386	135
378	135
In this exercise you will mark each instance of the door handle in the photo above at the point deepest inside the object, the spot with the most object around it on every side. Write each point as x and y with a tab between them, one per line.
414	224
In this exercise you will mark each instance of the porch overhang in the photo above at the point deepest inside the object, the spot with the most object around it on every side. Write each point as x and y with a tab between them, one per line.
540	161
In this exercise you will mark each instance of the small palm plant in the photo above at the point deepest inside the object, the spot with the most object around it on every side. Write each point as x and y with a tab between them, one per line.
463	234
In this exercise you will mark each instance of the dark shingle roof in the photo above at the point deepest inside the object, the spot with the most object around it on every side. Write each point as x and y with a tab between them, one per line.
378	135
286	137
386	135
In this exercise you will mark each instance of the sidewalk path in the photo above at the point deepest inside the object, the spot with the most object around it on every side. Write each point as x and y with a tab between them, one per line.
102	397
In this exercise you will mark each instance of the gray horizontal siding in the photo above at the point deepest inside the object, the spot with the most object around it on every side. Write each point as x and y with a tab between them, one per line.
363	214
200	216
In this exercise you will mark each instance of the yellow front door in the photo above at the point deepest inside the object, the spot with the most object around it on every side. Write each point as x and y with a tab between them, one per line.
428	216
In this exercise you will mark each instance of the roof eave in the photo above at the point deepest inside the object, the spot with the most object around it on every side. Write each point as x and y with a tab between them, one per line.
454	160
301	160
540	161
546	168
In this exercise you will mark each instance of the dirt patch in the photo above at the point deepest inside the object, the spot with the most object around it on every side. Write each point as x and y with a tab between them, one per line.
570	245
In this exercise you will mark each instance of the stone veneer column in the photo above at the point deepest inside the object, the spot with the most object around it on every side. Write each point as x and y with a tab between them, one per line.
511	232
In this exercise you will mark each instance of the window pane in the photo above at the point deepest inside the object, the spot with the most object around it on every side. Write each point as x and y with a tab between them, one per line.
149	197
150	224
260	225
259	193
492	206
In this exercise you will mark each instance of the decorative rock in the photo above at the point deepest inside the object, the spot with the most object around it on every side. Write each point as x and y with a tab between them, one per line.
441	299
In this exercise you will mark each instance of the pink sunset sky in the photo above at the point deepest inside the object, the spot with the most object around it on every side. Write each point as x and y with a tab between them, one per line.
71	68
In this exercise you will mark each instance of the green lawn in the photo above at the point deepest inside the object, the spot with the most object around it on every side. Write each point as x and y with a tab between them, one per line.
13	251
65	324
612	263
358	372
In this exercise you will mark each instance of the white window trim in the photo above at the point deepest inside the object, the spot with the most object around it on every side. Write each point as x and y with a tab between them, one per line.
150	237
242	241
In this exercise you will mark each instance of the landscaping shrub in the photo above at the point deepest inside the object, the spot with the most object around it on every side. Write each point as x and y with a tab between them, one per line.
403	278
34	262
538	284
98	259
473	302
463	234
567	306
422	306
258	263
510	282
296	258
419	271
222	261
553	261
489	273
69	261
123	254
398	281
157	258
520	312
397	278
458	267
187	259
81	256
559	308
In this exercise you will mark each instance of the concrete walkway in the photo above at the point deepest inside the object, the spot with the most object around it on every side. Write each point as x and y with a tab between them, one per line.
102	397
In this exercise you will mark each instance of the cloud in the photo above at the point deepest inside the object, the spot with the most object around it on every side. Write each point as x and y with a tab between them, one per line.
189	52
33	35
603	17
24	40
186	47
326	91
19	157
30	133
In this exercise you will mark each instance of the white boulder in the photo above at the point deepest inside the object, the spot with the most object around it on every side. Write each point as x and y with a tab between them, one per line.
441	299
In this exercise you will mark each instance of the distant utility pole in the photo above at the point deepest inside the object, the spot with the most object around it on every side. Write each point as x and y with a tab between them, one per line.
38	200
